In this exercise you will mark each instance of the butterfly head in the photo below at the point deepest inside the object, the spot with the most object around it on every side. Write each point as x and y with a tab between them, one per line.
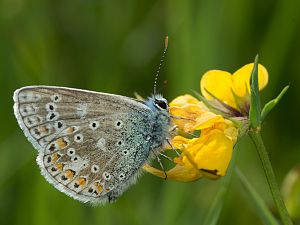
161	103
158	103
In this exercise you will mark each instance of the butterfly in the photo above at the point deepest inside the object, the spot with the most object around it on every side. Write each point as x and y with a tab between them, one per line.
91	145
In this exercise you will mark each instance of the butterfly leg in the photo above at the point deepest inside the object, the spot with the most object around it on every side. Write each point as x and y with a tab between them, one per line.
174	149
173	128
181	118
167	157
161	165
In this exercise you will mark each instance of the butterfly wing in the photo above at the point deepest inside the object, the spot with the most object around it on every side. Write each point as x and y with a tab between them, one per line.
90	144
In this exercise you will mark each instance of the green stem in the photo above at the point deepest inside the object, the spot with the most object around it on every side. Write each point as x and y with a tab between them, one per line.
265	160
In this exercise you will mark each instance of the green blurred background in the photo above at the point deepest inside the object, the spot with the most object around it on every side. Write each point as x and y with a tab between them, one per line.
115	46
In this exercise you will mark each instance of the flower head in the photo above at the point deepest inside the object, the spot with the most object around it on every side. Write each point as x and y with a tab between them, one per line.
209	154
206	155
233	90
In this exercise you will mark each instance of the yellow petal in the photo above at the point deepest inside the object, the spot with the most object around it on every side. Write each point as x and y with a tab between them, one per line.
183	174
241	79
177	173
206	120
219	84
226	126
211	152
179	142
232	133
190	117
183	100
186	114
154	171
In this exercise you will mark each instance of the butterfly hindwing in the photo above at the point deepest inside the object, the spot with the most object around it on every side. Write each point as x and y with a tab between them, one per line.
90	144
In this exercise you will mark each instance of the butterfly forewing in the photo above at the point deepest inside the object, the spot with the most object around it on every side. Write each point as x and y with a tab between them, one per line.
90	144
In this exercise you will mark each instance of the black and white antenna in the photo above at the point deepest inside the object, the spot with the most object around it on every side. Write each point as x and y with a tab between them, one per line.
160	63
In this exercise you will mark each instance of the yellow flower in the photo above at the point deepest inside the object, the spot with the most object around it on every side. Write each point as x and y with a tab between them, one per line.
232	89
209	154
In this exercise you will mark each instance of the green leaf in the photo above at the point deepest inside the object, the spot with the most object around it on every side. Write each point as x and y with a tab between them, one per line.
260	206
271	104
254	113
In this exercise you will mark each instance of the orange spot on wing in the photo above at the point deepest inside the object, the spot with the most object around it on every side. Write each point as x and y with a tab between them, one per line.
61	143
70	130
55	157
81	181
99	187
70	174
59	166
44	130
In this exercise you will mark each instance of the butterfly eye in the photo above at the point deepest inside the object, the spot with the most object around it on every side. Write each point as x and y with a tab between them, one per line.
161	103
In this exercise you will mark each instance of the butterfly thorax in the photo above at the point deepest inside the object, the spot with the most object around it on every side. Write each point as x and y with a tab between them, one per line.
161	121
